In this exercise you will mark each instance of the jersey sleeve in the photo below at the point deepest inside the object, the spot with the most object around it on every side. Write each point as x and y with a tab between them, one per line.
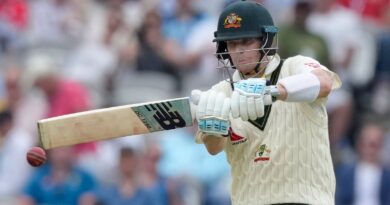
302	64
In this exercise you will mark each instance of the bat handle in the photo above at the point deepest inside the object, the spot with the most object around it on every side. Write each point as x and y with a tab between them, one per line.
195	96
270	91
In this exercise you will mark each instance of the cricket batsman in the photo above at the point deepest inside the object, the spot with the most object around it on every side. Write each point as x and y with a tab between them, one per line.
277	147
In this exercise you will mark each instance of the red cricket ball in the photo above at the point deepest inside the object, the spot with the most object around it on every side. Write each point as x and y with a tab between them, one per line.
36	156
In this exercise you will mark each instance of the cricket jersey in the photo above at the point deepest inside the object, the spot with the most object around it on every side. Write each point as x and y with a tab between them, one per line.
283	157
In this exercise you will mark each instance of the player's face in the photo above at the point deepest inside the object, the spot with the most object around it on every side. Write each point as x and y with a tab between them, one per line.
244	53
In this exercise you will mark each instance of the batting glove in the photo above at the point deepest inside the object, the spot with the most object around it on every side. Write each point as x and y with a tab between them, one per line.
212	113
247	99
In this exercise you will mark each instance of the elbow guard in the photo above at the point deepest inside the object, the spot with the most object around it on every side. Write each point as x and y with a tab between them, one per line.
303	87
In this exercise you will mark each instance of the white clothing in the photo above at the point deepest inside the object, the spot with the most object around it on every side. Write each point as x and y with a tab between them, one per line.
368	182
289	160
14	169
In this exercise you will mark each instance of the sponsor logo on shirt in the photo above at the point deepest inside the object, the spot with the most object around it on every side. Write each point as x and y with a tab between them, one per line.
262	153
235	138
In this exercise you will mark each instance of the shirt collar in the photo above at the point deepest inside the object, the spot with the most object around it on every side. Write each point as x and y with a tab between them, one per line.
272	65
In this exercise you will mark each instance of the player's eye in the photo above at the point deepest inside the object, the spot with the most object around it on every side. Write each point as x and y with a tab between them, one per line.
248	41
232	44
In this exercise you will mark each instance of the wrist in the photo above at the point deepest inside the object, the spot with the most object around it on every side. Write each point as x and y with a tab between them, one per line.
282	92
206	136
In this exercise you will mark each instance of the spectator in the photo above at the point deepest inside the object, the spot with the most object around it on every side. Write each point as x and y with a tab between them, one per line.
22	101
370	11
281	7
2	87
95	61
155	58
164	189
14	144
343	31
199	57
381	83
203	179
59	181
366	181
178	26
13	23
340	29
127	189
134	11
295	39
14	12
63	96
56	22
157	53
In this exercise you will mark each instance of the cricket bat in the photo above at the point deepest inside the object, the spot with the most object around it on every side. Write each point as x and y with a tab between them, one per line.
120	121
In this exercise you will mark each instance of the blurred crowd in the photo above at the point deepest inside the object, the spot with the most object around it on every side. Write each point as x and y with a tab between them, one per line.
64	56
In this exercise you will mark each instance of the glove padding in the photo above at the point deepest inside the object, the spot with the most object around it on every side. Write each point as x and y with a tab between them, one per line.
247	99
212	113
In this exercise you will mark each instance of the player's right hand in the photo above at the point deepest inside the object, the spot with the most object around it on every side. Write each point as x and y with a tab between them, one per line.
212	113
248	99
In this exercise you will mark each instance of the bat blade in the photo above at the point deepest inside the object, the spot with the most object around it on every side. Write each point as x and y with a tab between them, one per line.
108	123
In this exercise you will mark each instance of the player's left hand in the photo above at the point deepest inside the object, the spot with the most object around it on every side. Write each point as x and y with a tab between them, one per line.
213	113
247	99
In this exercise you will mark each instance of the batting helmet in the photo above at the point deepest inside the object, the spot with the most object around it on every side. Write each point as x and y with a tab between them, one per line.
245	19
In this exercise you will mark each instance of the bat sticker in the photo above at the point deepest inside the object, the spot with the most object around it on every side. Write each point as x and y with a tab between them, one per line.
165	115
167	118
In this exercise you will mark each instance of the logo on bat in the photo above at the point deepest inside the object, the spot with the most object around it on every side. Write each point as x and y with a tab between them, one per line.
166	116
